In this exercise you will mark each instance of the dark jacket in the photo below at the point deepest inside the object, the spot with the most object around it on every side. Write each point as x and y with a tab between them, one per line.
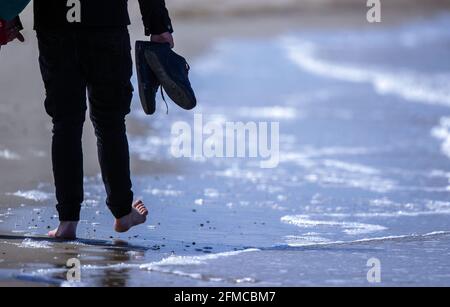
52	14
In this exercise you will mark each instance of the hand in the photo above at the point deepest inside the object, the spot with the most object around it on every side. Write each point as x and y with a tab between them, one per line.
14	34
163	38
10	31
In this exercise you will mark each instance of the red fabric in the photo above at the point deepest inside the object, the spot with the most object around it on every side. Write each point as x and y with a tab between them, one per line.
3	36
8	28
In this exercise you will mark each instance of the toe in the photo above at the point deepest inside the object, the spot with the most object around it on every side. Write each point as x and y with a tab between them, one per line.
142	210
138	203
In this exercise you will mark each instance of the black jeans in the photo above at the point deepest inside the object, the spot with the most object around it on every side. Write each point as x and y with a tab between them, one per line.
97	61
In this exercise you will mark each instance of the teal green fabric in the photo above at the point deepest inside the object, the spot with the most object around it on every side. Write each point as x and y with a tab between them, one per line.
11	8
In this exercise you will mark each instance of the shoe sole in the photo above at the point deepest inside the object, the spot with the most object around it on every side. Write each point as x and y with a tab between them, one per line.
143	97
175	92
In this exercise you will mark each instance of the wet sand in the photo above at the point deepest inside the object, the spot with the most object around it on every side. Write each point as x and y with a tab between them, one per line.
25	161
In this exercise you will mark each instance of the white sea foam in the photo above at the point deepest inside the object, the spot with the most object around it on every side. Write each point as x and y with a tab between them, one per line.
35	195
311	151
350	228
431	89
442	133
29	243
304	240
193	260
386	208
211	193
161	192
375	240
214	62
275	112
236	172
169	265
9	155
199	201
340	173
148	148
351	167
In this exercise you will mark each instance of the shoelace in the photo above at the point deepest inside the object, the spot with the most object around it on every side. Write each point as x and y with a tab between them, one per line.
164	99
162	91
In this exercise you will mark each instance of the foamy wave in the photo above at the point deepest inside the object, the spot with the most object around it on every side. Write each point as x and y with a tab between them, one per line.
9	155
386	208
35	195
159	192
29	243
370	240
167	265
340	173
276	112
350	228
310	151
431	89
193	260
148	148
304	240
351	167
442	132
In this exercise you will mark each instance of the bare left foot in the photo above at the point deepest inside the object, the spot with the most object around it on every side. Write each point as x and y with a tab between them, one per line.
65	230
137	216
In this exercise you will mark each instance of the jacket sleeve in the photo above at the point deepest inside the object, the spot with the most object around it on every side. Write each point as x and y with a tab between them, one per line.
155	16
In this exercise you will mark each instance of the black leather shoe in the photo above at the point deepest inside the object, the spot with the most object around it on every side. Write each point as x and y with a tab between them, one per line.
172	72
147	81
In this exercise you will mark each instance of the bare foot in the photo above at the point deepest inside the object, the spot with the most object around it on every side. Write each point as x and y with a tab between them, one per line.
65	230
137	216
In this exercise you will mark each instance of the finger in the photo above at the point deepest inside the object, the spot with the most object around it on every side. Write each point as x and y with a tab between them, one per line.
20	37
171	42
12	35
155	38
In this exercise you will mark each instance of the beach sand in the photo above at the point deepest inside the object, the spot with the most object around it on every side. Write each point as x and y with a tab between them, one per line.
25	136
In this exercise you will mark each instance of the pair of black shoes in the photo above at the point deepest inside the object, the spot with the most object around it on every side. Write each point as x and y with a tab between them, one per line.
159	66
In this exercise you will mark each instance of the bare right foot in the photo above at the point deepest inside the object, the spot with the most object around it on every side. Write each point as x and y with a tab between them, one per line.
65	230
137	216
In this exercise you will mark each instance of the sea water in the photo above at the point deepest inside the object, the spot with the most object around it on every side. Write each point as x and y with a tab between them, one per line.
364	169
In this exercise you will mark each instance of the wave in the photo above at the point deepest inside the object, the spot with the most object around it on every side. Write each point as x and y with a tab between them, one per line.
400	238
169	265
34	195
350	228
9	155
29	243
442	132
193	260
172	264
431	89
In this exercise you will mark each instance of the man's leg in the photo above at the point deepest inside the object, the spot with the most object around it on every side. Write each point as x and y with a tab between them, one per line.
110	93
66	103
